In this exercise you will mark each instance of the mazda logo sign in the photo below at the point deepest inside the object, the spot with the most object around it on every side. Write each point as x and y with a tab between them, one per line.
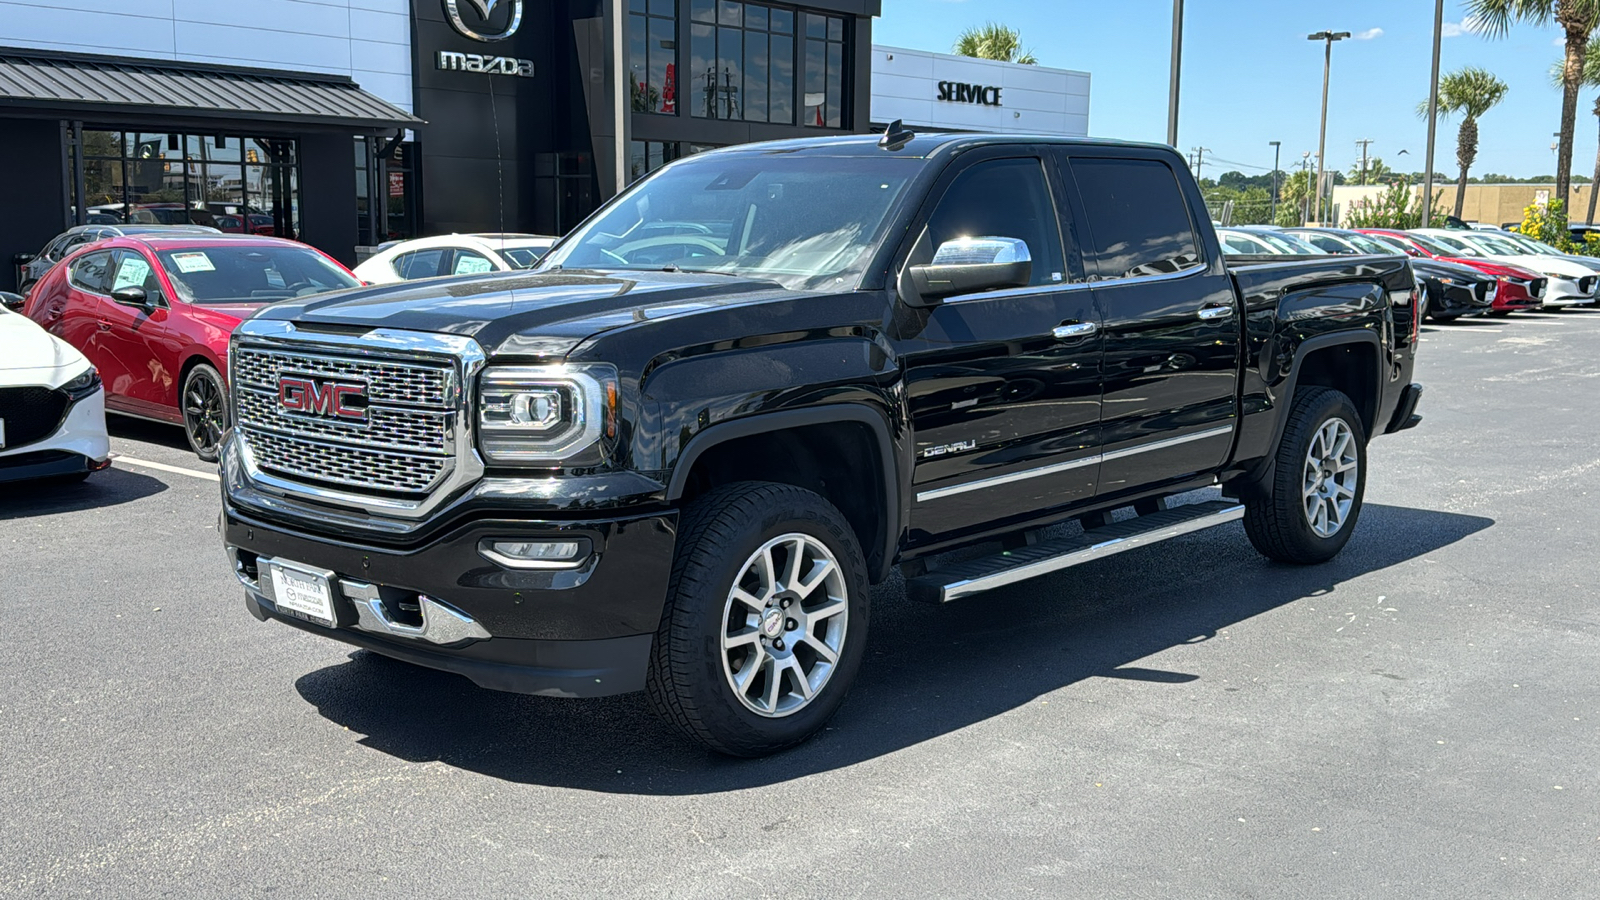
483	9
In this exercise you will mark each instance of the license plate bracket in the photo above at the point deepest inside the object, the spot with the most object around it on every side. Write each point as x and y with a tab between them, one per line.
303	592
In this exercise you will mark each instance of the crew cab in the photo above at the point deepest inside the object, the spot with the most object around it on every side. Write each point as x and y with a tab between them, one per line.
674	459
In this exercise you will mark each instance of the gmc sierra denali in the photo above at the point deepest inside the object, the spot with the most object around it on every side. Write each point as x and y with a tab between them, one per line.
674	457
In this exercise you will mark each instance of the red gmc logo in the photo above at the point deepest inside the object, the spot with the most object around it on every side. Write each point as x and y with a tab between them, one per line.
303	394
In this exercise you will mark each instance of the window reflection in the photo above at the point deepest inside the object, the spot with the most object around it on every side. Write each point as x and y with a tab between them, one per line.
741	62
653	55
1136	213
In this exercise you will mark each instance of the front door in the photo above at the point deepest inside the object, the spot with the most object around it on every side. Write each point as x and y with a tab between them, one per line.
1003	386
138	337
1172	332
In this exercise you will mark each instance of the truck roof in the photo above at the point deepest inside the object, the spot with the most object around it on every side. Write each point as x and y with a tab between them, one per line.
923	145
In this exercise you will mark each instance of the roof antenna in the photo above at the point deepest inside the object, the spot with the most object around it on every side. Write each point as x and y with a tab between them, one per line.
896	136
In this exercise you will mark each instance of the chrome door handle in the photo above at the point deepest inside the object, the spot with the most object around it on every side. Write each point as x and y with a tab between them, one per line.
1075	330
1215	312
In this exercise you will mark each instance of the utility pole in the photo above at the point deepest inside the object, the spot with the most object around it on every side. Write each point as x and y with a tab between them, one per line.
1277	146
1200	160
1364	142
1327	37
1433	117
1177	65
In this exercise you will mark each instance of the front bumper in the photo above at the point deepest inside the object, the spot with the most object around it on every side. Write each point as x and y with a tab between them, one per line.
584	631
79	445
1560	291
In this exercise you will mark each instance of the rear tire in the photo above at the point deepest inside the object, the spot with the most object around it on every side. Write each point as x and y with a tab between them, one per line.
204	404
768	583
1320	478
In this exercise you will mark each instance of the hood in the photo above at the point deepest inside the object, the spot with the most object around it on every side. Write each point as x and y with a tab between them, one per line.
1491	267
534	314
1438	268
1555	265
31	355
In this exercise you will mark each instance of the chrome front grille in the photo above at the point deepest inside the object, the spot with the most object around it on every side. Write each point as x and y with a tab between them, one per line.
406	445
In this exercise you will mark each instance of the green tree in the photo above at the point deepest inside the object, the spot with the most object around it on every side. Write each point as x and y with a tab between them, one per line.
1399	206
1293	197
1376	173
1469	92
1577	20
994	41
1548	223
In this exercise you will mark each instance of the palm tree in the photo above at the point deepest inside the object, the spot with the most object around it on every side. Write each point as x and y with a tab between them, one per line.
1577	19
995	41
1376	172
1591	78
1471	92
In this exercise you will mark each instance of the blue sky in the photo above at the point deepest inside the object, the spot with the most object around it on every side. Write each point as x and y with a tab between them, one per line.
1250	76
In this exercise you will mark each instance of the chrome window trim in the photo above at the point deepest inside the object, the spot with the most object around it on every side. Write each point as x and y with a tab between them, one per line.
469	359
1196	269
1031	291
1053	468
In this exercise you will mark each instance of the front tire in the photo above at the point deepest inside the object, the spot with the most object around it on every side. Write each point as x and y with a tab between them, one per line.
204	402
765	624
1320	479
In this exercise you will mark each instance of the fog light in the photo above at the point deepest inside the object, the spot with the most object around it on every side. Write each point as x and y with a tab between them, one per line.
525	554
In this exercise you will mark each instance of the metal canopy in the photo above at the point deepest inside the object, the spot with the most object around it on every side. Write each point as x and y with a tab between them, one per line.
88	86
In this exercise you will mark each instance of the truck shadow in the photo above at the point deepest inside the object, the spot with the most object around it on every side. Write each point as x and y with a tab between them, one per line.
929	671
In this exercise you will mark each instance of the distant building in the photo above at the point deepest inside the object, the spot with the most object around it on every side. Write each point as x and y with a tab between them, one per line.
944	92
1491	204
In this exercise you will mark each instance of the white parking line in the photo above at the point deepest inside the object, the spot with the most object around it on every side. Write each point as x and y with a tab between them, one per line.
163	467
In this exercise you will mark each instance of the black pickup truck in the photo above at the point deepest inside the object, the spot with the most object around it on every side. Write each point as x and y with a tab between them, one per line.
676	455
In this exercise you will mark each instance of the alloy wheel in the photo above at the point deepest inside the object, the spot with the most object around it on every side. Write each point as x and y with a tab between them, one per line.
784	625
1331	474
204	412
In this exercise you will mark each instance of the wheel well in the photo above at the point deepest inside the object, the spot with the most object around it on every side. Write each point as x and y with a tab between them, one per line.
1349	368
183	375
839	461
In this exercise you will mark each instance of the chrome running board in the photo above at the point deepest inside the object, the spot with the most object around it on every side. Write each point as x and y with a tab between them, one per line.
1012	566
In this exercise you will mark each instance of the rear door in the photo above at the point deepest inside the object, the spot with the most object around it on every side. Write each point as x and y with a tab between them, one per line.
1170	319
1003	386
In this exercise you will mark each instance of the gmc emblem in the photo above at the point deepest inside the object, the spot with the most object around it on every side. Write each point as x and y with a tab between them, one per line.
308	396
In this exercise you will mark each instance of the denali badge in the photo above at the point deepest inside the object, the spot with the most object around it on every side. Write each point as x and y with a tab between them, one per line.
305	395
483	8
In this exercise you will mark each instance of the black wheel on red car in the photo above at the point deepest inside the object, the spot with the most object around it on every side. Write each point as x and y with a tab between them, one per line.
1320	478
204	402
766	619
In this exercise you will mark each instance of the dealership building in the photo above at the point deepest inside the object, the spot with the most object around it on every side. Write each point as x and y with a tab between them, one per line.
344	123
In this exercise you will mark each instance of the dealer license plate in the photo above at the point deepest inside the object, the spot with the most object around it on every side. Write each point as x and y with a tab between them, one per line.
302	591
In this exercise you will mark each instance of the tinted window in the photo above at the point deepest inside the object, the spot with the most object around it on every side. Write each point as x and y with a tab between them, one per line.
1002	198
419	263
1138	217
91	272
246	274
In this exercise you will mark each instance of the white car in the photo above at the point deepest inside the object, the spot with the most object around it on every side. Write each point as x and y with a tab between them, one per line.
52	406
1570	283
454	254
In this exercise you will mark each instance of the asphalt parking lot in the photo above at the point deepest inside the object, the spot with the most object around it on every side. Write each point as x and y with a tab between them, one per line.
1417	718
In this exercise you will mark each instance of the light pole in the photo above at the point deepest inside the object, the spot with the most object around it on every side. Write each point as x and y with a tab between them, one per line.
1327	37
1433	116
1305	202
1277	147
1177	62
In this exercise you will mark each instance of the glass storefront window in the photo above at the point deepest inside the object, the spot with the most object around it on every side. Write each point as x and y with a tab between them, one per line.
143	177
741	61
645	157
653	55
824	83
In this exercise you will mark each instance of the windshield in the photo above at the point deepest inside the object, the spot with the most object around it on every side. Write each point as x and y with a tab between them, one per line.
1493	246
1288	243
1367	245
799	221
1453	246
1389	240
251	274
1532	245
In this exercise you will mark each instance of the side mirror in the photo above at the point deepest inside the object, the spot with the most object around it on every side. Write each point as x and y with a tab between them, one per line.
11	301
133	295
970	265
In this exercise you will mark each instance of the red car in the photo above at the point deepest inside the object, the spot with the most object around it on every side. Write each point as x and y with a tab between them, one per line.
1519	288
154	314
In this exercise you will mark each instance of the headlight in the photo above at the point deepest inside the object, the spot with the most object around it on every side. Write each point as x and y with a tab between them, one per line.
84	385
543	415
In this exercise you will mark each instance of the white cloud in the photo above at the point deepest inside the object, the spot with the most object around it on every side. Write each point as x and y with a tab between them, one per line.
1468	25
1369	34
